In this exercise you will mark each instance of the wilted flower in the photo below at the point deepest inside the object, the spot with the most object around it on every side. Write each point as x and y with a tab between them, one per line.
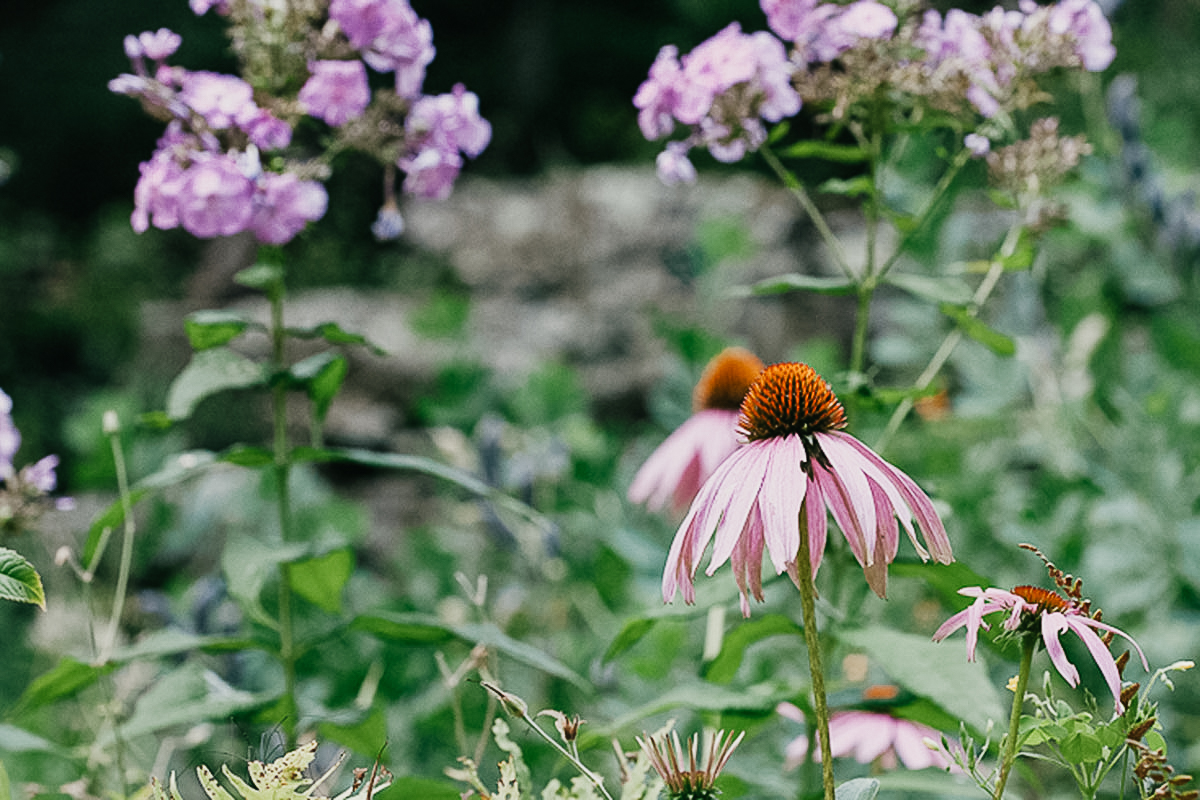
796	464
1038	611
679	466
870	737
690	774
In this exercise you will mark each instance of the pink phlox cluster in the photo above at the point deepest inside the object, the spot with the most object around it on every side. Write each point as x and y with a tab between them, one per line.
723	89
31	482
822	31
439	130
391	37
192	180
336	91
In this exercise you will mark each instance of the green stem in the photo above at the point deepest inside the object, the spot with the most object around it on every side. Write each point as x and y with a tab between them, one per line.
798	191
282	466
109	641
1014	723
862	320
926	213
813	642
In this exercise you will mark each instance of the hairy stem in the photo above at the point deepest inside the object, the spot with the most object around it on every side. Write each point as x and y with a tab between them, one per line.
1014	723
813	642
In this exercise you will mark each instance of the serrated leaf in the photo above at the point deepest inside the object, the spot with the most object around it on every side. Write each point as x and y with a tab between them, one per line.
208	329
66	679
927	669
857	789
19	581
723	668
320	580
976	329
939	290
860	186
838	153
210	371
796	282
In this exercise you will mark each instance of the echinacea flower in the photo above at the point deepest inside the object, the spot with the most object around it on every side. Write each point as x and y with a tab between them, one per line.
797	463
869	737
1041	611
679	466
691	774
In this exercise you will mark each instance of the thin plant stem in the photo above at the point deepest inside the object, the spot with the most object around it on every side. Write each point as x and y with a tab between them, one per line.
109	642
282	466
813	642
926	212
798	191
583	769
1014	723
954	337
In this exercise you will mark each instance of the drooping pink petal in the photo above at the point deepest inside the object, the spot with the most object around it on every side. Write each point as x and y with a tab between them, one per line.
1054	623
678	467
1100	654
780	500
848	471
818	524
735	496
838	501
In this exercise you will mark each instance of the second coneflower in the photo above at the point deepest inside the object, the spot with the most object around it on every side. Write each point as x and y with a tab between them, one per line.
797	466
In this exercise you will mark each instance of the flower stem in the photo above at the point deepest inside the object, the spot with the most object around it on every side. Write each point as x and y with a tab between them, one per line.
797	189
114	623
813	641
1014	724
282	466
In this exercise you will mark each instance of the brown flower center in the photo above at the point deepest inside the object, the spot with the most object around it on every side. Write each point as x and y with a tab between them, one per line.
790	398
726	379
1044	599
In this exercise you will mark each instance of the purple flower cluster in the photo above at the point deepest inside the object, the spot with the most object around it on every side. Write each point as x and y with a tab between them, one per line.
24	490
206	174
728	86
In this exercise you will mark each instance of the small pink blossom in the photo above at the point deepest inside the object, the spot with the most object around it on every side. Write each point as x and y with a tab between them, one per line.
215	198
449	122
10	437
1084	21
391	37
1052	615
673	165
284	204
431	173
336	91
222	100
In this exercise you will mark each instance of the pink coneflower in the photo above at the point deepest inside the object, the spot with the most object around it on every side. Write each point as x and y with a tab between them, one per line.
677	469
797	463
870	737
1036	610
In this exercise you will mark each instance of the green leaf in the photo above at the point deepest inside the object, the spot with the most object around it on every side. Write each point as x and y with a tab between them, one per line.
839	153
1024	253
939	290
19	740
419	627
757	701
19	581
857	789
66	679
209	372
266	278
723	668
173	642
249	564
321	375
5	784
1081	747
367	736
860	186
321	580
332	333
794	281
247	456
778	132
929	670
631	633
425	788
978	330
208	329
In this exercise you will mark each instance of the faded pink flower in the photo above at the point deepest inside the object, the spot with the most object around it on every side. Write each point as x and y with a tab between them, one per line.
1038	610
677	469
284	204
336	91
10	437
870	737
796	465
673	166
223	100
215	198
449	122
